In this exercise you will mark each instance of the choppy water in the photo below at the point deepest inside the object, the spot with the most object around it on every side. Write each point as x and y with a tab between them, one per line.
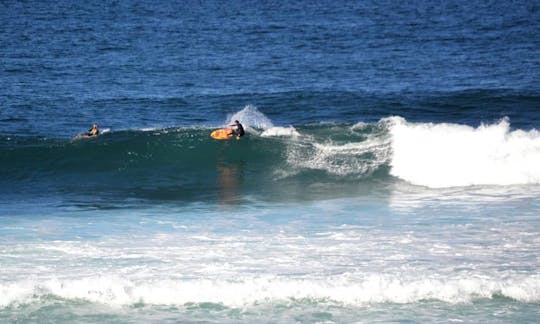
390	170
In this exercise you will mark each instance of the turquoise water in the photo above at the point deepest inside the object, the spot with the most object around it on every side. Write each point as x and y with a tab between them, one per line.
462	255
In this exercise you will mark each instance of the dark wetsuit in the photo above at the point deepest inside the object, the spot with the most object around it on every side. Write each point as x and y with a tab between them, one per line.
239	131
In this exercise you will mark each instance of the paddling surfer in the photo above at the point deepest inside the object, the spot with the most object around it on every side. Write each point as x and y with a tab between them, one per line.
94	131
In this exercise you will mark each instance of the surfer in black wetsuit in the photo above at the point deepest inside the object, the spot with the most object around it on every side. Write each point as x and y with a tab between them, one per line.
238	129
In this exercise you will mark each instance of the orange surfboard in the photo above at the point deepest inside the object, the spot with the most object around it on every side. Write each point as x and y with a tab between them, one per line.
222	134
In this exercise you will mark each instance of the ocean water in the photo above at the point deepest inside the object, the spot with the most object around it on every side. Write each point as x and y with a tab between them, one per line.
390	171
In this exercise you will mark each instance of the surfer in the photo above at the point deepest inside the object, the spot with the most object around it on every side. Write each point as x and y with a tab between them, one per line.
93	131
238	129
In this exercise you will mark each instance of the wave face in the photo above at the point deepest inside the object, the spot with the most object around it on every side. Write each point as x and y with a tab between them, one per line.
271	161
186	164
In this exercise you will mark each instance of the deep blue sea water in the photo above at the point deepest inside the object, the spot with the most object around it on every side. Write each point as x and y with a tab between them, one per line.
390	171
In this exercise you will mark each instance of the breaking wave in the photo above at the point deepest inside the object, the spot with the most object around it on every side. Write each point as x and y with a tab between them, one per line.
370	289
185	163
452	155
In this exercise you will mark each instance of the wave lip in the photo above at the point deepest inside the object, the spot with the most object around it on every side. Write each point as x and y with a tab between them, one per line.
452	155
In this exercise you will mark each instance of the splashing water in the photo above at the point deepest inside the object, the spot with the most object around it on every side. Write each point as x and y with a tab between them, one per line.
250	116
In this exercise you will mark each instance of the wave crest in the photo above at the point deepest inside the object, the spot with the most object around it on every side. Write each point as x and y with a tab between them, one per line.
452	155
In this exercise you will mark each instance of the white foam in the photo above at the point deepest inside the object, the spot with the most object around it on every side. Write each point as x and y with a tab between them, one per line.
280	132
348	259
359	126
340	159
346	288
451	155
151	129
